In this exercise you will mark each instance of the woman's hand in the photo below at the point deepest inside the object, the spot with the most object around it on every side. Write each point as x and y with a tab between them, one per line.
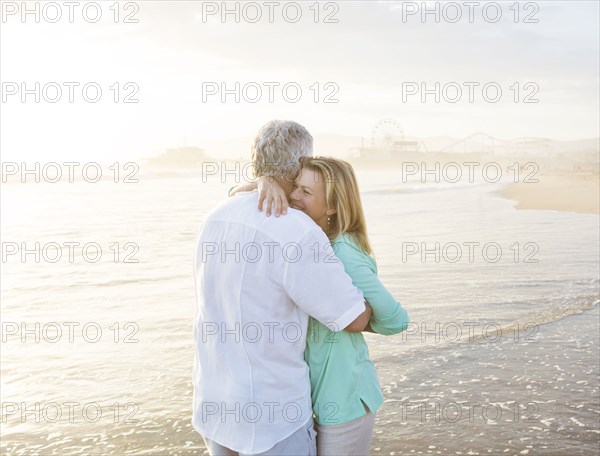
246	187
271	193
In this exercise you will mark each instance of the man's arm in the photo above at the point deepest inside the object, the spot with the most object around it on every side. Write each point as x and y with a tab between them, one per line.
317	283
362	321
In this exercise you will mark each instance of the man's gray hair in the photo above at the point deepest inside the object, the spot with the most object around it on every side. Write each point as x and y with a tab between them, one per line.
278	148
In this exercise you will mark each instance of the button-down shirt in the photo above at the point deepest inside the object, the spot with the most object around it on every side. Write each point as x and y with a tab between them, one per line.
342	374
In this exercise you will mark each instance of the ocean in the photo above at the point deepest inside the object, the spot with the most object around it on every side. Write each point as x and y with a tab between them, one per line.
500	357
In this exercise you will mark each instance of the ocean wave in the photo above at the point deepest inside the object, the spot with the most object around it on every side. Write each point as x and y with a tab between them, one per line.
411	188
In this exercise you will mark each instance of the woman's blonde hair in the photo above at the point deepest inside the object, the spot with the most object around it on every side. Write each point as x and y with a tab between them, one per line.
341	194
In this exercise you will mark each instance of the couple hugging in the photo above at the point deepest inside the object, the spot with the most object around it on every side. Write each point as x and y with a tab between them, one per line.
281	365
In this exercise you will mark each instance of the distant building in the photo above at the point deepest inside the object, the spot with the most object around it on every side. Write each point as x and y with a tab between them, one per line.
179	157
391	149
399	148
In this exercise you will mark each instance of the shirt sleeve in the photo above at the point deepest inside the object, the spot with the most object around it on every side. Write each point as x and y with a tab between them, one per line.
317	283
389	317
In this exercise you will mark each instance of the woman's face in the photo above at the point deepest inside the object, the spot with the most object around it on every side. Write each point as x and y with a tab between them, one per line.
309	197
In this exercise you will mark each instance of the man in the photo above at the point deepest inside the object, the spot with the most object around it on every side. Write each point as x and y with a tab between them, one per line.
258	279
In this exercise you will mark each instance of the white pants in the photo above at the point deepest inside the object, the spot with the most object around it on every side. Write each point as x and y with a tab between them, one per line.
352	438
300	443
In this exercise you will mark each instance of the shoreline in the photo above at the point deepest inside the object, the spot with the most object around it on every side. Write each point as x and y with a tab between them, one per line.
565	192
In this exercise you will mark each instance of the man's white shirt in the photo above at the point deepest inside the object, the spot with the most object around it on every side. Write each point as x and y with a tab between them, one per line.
258	279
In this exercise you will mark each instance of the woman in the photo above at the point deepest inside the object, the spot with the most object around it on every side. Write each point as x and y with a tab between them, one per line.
345	389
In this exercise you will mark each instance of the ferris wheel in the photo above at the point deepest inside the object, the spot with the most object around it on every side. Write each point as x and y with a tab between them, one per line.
385	133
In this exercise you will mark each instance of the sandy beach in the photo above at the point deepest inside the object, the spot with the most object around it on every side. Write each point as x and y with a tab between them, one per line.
571	192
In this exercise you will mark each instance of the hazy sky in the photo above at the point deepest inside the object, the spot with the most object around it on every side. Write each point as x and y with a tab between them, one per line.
369	56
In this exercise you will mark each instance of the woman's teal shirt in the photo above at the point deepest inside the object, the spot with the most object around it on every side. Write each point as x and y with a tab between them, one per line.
341	372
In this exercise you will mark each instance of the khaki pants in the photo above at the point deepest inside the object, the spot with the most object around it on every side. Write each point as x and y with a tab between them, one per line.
347	439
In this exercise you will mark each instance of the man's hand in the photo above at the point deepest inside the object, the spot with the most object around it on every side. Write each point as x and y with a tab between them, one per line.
269	191
362	321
